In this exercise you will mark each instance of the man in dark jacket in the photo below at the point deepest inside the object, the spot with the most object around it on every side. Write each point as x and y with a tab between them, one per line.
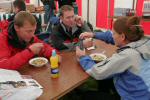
65	35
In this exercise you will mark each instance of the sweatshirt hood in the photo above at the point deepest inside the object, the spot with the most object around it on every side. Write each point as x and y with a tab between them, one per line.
13	39
142	46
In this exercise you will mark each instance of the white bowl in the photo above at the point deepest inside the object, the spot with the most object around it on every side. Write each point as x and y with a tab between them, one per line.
97	57
38	61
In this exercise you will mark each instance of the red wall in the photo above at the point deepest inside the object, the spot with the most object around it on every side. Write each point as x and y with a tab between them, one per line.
139	7
27	1
79	3
145	24
146	27
101	18
104	19
110	20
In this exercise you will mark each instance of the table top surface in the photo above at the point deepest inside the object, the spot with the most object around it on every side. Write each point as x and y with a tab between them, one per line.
71	74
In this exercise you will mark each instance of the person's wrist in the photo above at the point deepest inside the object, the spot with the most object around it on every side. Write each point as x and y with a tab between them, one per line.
29	49
82	56
93	35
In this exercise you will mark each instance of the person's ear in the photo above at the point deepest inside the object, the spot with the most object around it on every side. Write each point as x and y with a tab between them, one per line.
123	37
16	9
61	17
16	28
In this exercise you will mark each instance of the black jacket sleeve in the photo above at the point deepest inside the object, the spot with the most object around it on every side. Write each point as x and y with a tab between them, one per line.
56	39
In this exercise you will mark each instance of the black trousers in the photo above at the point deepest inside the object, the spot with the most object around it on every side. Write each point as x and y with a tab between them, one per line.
106	86
93	95
106	91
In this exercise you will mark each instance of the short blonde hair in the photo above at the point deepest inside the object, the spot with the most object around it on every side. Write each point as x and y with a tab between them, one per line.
23	16
65	8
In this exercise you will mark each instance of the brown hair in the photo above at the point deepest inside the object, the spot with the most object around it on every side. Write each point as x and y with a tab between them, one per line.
130	27
23	16
20	4
64	9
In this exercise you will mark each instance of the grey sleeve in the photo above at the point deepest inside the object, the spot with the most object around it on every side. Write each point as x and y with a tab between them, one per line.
70	46
85	27
116	64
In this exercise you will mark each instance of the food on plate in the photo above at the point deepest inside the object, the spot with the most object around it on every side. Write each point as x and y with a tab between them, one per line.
38	62
98	57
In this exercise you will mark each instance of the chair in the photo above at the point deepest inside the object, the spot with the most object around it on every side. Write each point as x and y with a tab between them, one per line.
52	22
44	36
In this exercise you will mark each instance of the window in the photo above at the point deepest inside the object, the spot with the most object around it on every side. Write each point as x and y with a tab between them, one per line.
146	8
124	7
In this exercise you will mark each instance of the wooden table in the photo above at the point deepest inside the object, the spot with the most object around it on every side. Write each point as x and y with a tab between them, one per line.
71	74
102	46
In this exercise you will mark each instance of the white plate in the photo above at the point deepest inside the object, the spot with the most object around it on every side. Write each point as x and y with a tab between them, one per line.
97	57
38	61
91	48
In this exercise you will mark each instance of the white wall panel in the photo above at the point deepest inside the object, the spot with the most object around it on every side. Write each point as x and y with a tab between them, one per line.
123	3
89	11
84	9
92	12
35	2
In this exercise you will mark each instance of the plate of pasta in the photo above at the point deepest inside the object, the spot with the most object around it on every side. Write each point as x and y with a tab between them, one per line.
38	61
98	57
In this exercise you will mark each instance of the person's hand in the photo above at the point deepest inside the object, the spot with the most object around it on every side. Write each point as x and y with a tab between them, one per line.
55	12
59	59
79	52
79	21
88	42
36	47
86	35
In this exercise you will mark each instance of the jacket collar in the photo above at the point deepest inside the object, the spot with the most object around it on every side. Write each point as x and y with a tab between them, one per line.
74	28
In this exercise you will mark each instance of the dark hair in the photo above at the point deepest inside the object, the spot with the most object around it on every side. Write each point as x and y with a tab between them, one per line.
20	4
65	8
130	26
23	16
